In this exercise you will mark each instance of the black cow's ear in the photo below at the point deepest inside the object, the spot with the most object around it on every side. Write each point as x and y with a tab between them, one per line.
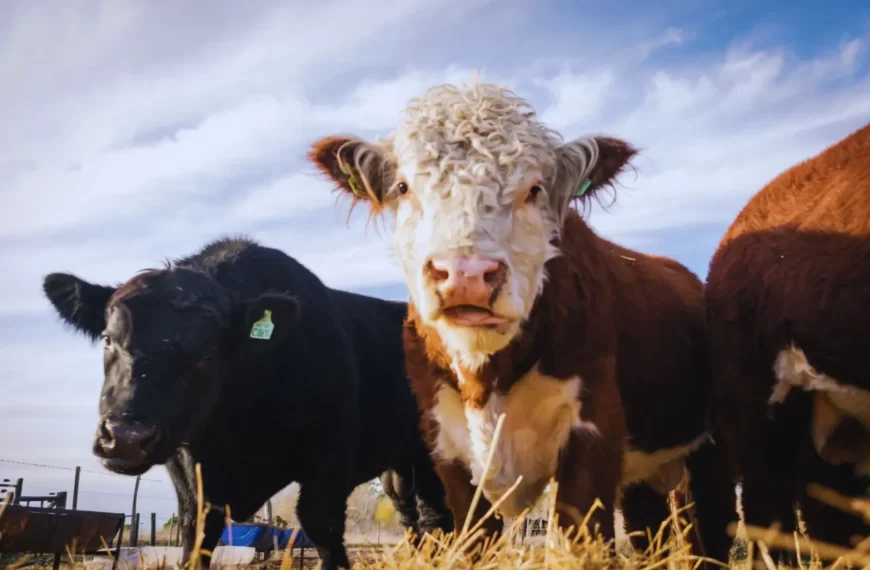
79	303
269	317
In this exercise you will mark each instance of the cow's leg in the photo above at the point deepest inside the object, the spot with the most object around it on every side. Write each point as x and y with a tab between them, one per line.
431	496
456	480
213	528
399	487
644	510
765	441
187	522
215	521
588	470
828	523
181	471
712	490
322	510
759	438
590	465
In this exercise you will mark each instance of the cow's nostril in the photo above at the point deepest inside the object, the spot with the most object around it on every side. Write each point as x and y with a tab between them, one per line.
496	275
463	272
105	438
436	272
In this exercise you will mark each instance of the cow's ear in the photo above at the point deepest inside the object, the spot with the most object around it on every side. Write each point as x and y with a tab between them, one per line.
79	303
358	168
269	318
586	165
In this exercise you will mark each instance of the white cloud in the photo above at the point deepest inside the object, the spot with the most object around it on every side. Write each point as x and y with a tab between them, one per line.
713	135
576	98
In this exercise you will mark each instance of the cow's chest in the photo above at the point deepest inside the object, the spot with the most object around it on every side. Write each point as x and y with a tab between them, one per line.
540	412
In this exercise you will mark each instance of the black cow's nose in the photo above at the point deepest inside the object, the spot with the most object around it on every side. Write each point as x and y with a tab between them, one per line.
127	441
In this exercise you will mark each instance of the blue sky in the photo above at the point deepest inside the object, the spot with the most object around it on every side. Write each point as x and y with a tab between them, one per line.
132	132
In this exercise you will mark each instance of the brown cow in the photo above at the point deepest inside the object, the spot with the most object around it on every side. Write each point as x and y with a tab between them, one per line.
596	354
788	295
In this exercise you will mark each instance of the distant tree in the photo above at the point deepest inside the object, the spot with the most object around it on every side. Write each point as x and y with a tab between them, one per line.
172	521
279	522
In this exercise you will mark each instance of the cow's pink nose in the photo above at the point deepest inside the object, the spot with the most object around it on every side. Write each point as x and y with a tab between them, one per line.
464	281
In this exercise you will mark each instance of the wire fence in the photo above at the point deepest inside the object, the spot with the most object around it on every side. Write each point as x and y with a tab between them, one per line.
92	490
156	502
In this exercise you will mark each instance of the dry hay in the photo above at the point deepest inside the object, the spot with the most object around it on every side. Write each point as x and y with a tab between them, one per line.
560	550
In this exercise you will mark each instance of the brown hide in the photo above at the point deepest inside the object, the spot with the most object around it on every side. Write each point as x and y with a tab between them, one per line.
794	268
632	326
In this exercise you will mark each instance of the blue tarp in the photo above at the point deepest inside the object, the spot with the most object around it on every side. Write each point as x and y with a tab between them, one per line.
260	536
243	534
285	534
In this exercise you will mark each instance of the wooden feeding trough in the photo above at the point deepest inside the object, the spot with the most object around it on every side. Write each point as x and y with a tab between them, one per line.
52	530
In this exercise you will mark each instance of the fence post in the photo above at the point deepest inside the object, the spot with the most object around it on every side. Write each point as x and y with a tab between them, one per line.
134	531
171	530
271	529
134	516
153	529
19	489
75	498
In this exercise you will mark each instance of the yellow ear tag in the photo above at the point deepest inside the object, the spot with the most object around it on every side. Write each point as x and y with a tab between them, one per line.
352	181
263	328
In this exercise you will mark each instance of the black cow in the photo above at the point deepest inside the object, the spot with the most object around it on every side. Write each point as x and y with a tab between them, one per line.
239	358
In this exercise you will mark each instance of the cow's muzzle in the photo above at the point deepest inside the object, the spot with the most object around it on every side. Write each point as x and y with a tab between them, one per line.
125	446
467	288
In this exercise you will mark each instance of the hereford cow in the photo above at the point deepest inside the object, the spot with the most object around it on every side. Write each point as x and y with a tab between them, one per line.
596	354
788	295
241	359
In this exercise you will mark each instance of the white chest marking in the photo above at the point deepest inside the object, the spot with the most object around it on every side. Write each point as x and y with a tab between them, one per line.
793	370
663	469
540	412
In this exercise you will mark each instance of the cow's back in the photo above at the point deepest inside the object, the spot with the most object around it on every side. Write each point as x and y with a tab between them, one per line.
829	192
793	267
388	409
248	269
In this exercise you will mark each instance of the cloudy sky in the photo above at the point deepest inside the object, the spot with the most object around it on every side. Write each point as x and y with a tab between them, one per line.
135	131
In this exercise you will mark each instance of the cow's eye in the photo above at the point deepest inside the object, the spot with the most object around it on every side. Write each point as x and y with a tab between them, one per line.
402	187
106	340
533	193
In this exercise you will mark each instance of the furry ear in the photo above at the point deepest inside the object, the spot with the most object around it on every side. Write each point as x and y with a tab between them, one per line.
584	166
78	303
268	318
358	167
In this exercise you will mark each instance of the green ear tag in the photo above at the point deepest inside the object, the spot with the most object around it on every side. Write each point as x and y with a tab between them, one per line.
584	187
263	328
352	181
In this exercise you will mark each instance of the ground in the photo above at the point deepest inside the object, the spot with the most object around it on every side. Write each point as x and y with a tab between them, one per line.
552	551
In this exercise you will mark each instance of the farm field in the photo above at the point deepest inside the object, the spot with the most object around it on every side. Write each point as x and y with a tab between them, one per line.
554	550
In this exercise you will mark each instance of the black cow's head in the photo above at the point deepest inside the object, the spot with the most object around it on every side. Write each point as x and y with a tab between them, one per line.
170	337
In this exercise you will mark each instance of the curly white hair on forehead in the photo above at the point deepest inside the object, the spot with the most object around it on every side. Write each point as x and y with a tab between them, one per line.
476	134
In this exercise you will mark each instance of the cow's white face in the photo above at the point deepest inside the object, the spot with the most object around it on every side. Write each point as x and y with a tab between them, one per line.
479	189
461	204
